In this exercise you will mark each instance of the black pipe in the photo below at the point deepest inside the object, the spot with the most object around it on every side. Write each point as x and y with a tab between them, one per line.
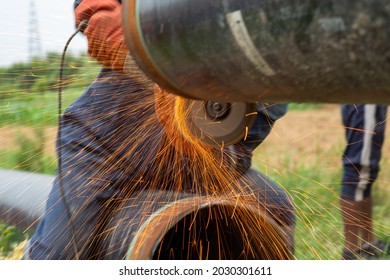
263	50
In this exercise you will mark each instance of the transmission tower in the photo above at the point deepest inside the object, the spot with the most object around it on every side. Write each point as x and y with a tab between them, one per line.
34	41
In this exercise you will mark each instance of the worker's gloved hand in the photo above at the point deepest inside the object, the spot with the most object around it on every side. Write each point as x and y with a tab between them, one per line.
106	41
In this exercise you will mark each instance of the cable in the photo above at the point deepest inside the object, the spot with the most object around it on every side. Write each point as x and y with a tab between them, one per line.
80	28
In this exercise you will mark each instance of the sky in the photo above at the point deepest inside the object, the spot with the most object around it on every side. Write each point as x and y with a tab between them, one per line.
55	24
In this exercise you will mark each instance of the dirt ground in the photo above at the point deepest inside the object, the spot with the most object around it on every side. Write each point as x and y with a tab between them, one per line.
304	131
9	135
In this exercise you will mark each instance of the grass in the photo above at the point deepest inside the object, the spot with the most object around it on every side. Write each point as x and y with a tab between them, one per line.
28	156
315	193
303	106
316	208
35	112
34	109
10	238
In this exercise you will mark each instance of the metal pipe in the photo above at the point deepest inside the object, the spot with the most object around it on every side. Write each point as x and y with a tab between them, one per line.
263	50
23	197
167	224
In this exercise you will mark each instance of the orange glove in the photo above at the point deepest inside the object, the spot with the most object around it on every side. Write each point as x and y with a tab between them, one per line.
106	41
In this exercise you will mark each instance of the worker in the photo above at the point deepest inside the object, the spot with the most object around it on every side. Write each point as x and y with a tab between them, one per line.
110	145
365	132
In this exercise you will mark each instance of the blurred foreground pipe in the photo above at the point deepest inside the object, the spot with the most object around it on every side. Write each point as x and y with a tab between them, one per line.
23	197
267	51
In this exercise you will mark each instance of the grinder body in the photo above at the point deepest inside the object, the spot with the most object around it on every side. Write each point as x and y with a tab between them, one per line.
264	51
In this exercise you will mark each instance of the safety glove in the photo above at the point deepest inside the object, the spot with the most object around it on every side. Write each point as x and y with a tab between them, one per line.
106	42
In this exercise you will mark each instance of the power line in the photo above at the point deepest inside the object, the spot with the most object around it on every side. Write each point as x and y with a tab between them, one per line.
34	41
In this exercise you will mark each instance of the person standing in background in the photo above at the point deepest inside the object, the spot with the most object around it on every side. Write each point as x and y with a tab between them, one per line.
365	129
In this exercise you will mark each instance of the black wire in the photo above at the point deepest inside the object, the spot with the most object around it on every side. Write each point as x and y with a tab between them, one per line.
80	28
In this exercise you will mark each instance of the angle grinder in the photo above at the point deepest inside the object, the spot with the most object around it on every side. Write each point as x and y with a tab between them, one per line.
219	123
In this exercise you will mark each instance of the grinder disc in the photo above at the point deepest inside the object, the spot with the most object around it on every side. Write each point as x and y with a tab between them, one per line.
219	123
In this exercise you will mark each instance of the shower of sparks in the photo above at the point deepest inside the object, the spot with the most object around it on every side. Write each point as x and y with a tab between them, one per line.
164	194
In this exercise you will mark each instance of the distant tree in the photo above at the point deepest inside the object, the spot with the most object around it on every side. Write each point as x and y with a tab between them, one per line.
41	74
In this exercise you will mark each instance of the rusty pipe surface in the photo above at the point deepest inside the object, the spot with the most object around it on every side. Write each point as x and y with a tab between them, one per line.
23	197
264	51
167	225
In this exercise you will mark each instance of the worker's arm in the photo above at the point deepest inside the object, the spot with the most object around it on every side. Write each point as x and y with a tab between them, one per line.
106	41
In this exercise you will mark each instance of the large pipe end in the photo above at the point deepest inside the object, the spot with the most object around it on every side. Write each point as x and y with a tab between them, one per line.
201	228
